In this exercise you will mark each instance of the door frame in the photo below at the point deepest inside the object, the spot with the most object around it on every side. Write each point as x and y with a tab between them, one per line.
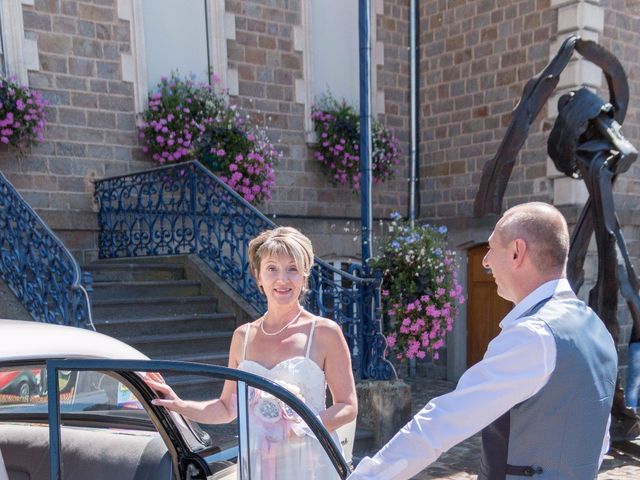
243	380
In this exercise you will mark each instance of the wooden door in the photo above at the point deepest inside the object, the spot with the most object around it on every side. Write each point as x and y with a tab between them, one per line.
485	308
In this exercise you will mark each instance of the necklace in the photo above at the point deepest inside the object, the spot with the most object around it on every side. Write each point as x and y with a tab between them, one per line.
288	324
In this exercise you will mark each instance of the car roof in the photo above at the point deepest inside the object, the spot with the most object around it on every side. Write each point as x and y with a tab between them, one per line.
23	340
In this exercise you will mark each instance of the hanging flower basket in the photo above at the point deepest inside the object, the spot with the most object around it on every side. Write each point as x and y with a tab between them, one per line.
420	289
22	115
186	120
337	128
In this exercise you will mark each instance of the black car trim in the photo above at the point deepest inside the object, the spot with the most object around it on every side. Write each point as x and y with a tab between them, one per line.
123	366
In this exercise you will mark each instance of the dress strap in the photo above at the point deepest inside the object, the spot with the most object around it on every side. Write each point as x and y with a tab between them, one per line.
246	341
313	328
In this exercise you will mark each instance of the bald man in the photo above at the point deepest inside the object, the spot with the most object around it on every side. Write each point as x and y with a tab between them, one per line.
543	391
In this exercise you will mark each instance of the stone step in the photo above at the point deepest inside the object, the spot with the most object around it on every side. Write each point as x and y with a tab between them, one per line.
137	289
135	272
161	345
206	322
152	307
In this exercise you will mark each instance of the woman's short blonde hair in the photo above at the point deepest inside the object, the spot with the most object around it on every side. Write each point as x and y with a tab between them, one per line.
282	241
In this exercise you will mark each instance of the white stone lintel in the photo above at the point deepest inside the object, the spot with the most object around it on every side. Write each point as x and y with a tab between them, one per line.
578	16
568	191
580	72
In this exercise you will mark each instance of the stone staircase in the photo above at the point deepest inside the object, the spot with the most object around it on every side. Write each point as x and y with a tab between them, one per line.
155	308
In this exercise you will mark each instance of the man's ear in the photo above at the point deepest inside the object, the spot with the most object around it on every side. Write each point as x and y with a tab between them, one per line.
518	251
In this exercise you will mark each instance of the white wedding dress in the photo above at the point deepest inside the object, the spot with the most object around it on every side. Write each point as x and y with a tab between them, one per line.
295	457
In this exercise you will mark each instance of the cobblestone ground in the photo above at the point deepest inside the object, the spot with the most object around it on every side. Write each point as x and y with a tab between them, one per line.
460	463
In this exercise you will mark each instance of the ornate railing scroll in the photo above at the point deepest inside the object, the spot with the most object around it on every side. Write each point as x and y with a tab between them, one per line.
37	267
185	209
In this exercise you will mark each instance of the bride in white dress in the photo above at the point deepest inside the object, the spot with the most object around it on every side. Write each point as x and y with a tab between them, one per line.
289	345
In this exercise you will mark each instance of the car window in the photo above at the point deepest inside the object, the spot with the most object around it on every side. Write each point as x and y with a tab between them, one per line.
23	390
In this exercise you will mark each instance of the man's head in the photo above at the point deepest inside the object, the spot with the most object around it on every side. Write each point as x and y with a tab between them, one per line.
529	246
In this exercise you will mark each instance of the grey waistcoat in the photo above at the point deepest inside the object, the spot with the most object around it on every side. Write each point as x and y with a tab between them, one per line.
557	434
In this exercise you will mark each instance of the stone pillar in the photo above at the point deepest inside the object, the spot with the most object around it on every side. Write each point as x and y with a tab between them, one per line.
383	408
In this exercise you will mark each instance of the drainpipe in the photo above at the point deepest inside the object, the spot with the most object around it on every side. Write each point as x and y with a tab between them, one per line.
366	121
414	205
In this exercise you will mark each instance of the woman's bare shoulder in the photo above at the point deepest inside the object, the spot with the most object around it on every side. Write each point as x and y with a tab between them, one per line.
242	330
328	329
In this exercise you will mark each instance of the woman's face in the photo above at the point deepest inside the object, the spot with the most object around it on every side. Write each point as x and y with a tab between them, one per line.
281	280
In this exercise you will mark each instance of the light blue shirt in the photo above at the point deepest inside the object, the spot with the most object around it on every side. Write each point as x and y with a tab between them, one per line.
517	364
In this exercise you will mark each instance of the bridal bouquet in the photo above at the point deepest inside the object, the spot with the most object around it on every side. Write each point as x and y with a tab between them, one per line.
275	418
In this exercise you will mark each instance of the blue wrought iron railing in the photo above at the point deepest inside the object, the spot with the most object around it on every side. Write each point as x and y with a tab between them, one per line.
37	267
185	209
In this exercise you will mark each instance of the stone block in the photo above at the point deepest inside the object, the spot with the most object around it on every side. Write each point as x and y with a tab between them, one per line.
84	100
567	191
100	151
108	70
36	21
54	43
99	86
71	116
126	121
580	15
53	63
86	29
111	102
68	149
83	67
86	135
84	47
102	120
383	408
40	80
121	88
96	13
71	83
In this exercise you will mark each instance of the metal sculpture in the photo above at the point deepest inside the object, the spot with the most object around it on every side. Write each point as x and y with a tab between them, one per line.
585	143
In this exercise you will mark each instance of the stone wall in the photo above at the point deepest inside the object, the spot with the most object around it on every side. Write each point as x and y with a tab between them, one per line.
476	58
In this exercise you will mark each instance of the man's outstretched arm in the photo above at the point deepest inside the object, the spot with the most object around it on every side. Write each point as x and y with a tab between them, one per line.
517	365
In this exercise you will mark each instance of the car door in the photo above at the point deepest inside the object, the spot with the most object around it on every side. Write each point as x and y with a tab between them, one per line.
194	453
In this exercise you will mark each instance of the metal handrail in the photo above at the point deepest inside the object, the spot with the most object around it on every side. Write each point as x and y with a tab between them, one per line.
37	267
185	209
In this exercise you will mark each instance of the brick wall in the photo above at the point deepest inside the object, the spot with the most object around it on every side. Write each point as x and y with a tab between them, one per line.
622	36
477	56
91	125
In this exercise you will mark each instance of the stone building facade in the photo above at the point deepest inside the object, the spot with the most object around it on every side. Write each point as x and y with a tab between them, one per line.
475	56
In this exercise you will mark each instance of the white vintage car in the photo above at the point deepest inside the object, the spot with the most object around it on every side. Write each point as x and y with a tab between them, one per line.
88	413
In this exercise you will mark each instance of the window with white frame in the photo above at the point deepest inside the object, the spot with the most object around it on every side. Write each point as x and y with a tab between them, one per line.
186	49
328	39
189	37
334	49
17	53
3	66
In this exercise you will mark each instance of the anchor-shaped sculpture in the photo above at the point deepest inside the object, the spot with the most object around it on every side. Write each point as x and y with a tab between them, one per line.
585	143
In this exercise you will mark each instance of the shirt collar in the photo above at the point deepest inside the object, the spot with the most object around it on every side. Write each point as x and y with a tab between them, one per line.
544	291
